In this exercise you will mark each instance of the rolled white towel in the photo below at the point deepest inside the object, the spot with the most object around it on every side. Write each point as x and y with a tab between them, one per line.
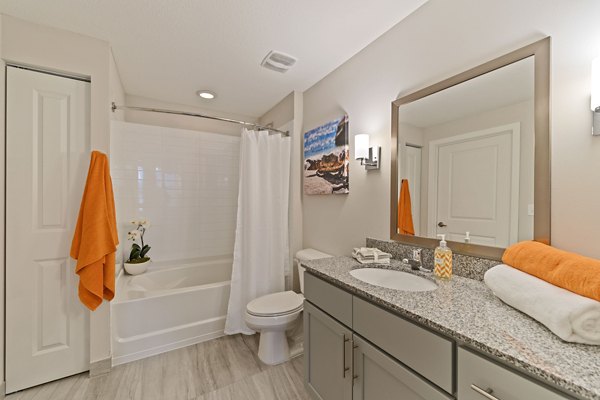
571	317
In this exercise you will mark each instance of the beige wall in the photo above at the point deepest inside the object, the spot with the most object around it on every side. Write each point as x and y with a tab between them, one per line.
116	91
296	171
280	114
288	113
57	50
440	39
2	221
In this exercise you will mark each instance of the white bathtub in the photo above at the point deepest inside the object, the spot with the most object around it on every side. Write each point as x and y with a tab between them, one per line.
172	305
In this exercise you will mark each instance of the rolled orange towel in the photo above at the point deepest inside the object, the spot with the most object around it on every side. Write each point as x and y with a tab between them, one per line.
95	240
569	271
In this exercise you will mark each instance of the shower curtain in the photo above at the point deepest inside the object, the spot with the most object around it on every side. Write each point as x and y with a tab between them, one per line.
261	262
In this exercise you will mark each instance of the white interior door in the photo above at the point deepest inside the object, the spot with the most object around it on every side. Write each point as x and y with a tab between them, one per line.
477	186
48	146
413	174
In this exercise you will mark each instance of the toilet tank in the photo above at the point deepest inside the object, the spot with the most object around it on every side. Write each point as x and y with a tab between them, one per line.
307	255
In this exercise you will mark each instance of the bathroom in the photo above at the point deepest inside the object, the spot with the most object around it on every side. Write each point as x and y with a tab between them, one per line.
177	175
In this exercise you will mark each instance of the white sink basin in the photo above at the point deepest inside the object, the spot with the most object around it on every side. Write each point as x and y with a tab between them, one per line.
393	279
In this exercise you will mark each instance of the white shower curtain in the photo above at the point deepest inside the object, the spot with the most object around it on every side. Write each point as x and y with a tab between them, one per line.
261	253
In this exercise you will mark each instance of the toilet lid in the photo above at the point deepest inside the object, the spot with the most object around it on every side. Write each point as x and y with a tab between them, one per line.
276	304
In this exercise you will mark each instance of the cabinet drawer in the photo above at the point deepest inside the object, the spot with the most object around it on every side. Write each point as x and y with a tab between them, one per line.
423	351
476	374
333	300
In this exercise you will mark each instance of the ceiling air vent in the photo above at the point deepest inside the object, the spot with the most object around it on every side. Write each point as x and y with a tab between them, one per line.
278	61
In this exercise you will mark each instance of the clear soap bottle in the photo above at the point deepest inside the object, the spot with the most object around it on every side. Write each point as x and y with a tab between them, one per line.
443	260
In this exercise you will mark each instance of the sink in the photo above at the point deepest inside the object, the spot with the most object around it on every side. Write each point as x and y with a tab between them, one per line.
392	279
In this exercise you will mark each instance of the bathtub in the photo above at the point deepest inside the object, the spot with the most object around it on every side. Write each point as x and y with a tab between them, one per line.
172	305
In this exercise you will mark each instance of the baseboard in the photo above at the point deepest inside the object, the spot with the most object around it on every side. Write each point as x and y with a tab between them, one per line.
2	390
100	367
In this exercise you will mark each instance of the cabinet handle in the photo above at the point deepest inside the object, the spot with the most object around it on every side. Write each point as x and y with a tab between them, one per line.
487	393
344	368
354	376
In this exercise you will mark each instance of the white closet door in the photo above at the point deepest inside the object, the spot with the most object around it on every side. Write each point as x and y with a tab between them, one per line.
48	144
477	188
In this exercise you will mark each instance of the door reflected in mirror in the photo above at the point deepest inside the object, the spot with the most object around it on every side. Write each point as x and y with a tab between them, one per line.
466	160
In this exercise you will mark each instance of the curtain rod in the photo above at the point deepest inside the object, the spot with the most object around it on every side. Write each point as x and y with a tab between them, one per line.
115	107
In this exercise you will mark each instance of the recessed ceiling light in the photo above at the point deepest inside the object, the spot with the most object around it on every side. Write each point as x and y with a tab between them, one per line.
206	94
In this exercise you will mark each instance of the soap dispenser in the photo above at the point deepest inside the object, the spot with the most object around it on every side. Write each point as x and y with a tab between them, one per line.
443	260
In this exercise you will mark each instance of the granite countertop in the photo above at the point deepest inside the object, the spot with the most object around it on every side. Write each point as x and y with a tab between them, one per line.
467	311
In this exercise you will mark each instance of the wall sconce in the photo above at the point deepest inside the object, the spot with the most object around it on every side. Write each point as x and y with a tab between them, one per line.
596	96
368	156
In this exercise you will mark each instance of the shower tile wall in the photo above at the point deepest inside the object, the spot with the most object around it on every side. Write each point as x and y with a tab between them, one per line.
184	182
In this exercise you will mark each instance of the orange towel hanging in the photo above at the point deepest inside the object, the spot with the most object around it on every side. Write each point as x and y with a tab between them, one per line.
405	221
95	240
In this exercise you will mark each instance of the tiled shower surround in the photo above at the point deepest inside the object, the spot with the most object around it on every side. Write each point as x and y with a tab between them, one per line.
185	182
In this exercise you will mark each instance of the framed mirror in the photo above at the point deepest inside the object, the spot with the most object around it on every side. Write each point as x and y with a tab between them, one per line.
471	157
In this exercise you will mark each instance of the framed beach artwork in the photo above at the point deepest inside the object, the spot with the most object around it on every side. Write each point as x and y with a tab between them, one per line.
327	158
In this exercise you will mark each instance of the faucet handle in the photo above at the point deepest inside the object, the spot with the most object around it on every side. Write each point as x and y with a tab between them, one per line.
415	261
416	254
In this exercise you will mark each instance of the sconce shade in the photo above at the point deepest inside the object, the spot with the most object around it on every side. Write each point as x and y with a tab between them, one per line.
361	146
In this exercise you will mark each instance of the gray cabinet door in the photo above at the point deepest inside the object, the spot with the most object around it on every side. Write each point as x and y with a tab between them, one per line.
327	349
379	377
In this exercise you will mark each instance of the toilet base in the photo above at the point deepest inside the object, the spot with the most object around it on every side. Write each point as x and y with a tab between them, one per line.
273	347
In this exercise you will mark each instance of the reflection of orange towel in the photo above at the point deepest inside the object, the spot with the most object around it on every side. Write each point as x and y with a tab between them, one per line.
405	222
95	240
569	271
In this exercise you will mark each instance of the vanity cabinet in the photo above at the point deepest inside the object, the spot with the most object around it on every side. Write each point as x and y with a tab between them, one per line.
355	350
342	365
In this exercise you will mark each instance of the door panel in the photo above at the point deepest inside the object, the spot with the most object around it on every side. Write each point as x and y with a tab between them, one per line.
48	135
477	189
328	370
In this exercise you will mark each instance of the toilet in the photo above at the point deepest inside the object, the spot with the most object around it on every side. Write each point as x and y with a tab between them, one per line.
274	314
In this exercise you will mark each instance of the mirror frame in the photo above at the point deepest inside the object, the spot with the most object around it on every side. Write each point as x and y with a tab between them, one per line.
540	50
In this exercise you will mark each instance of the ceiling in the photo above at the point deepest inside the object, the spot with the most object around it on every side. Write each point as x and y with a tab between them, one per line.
167	50
505	86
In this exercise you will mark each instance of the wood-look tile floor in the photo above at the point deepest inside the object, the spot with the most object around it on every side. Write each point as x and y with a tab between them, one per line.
226	368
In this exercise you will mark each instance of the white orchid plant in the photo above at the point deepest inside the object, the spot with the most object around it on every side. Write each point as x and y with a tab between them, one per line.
138	251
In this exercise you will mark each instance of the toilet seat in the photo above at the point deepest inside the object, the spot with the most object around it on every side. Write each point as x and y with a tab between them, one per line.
276	304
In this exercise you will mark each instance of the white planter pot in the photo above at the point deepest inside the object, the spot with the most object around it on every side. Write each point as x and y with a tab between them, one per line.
136	268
